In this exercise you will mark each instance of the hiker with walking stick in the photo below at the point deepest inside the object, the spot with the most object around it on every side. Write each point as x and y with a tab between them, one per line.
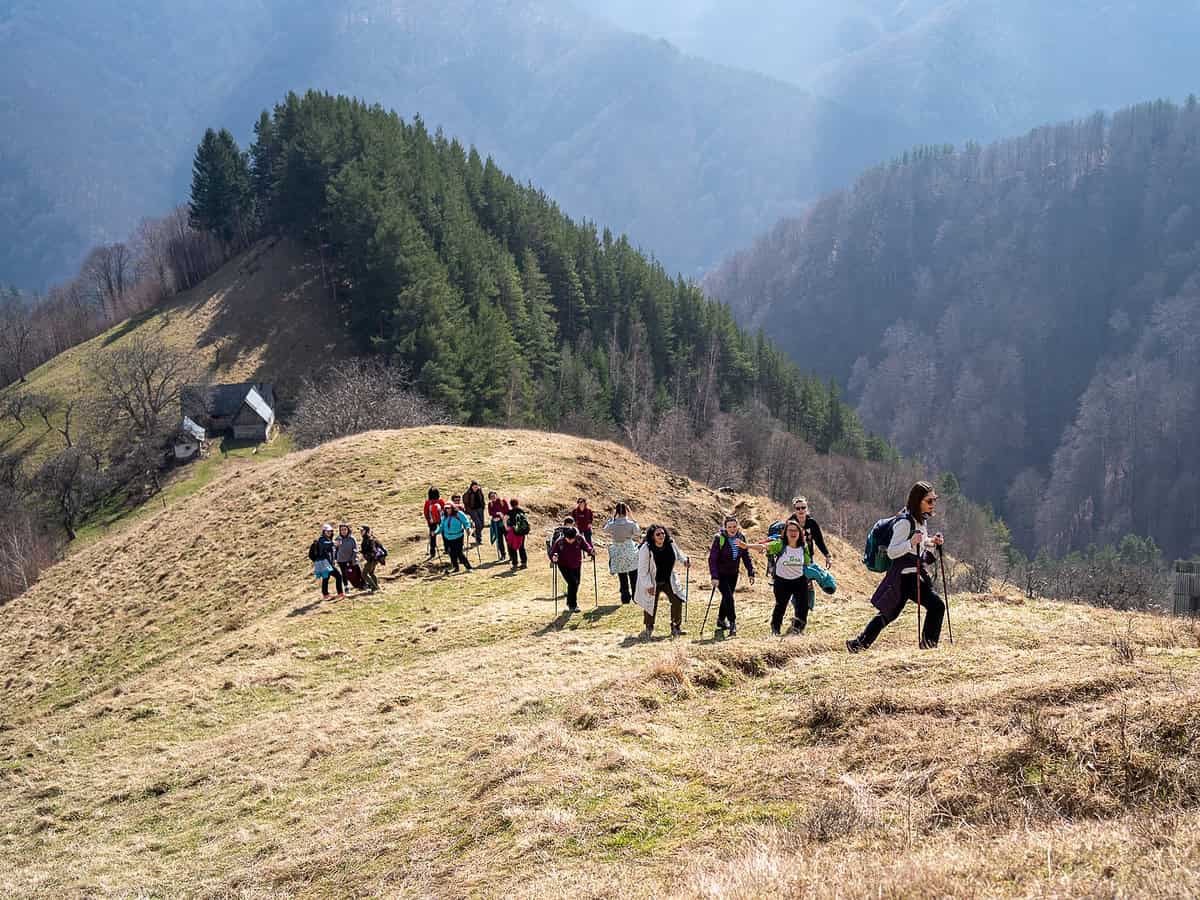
567	553
497	510
792	556
907	578
656	576
727	553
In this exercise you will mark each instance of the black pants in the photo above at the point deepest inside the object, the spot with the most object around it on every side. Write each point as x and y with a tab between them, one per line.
931	604
628	585
477	517
571	577
337	577
433	533
454	549
676	606
795	590
726	584
497	534
519	551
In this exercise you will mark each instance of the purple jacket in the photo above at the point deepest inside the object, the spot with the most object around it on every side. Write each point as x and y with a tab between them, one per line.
570	556
720	557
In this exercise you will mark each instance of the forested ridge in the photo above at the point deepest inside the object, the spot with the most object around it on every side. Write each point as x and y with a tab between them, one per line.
503	308
1026	314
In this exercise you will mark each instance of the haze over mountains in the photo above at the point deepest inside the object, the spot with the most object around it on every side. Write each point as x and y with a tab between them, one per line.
104	103
952	69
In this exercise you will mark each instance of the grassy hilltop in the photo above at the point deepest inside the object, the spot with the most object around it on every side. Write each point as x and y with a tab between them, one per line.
180	717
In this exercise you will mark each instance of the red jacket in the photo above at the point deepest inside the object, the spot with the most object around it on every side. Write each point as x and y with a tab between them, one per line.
583	519
433	511
497	508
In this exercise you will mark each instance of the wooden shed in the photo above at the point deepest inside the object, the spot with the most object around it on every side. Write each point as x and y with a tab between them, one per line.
244	411
1187	588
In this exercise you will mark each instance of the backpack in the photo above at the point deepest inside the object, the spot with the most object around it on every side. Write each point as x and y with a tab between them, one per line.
520	523
380	552
775	532
314	551
879	538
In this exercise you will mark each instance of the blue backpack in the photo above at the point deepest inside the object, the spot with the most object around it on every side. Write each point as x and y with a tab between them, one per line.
875	556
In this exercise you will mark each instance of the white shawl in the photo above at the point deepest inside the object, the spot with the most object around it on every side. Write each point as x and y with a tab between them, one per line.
647	577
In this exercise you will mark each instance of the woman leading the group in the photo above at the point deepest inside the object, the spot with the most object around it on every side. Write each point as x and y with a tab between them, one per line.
656	577
909	553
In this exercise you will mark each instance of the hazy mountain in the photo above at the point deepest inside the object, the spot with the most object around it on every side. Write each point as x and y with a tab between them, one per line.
103	104
1025	314
953	69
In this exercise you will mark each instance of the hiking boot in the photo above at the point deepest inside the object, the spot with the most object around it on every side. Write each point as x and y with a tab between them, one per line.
572	609
927	645
855	646
524	565
732	631
646	633
454	570
775	632
795	630
676	631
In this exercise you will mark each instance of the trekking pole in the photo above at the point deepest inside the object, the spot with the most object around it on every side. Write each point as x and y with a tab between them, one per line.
687	584
920	551
554	581
595	583
708	608
946	589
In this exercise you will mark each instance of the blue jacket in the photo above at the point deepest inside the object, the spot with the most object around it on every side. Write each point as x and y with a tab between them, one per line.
454	526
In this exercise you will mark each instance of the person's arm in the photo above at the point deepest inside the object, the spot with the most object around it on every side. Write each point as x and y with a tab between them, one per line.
645	576
714	554
819	540
682	557
587	546
901	544
749	564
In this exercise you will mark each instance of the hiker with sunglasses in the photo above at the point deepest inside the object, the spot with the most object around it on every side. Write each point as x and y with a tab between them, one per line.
657	557
908	579
811	528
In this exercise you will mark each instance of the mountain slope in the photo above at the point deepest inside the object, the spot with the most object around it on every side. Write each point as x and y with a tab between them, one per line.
262	317
1022	314
194	723
106	105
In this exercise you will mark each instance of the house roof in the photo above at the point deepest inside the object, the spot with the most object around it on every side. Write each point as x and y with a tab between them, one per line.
260	406
191	428
225	400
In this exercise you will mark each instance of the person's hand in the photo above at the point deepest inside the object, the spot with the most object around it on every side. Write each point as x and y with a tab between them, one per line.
917	537
829	562
687	563
554	558
938	540
742	545
649	592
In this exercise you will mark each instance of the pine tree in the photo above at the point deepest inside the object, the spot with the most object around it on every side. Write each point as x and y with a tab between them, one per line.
221	201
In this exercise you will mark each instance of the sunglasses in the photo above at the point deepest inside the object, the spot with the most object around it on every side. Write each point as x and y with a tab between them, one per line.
799	507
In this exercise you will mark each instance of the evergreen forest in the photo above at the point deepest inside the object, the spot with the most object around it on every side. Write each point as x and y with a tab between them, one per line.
1025	314
502	308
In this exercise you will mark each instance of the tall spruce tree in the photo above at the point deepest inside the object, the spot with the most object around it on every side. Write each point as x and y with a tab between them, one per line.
221	201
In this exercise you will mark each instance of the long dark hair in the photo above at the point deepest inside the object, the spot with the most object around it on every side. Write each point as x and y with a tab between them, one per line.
433	494
916	494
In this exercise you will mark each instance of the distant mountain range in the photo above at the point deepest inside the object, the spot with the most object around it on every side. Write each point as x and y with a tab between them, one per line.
103	103
951	69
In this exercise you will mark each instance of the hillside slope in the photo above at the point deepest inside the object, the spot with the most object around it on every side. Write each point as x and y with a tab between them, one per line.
261	317
180	717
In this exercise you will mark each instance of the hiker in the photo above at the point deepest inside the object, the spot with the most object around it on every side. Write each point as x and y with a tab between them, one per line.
518	529
567	522
497	509
567	553
623	533
907	551
657	557
455	529
323	554
583	516
811	528
373	554
347	557
474	505
433	518
724	556
791	555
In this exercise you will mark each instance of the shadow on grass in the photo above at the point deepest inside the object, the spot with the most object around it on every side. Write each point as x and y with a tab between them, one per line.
304	610
128	326
599	612
553	625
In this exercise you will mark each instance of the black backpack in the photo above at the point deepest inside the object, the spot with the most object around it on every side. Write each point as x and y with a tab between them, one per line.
314	551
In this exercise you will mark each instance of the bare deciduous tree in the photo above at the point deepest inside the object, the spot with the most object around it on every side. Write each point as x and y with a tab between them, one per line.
356	396
109	269
16	338
69	484
138	384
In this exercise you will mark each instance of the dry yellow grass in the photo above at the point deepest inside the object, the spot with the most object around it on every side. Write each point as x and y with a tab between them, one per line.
262	317
181	718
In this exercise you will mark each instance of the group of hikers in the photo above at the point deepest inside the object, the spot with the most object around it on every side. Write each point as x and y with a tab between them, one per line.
648	562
